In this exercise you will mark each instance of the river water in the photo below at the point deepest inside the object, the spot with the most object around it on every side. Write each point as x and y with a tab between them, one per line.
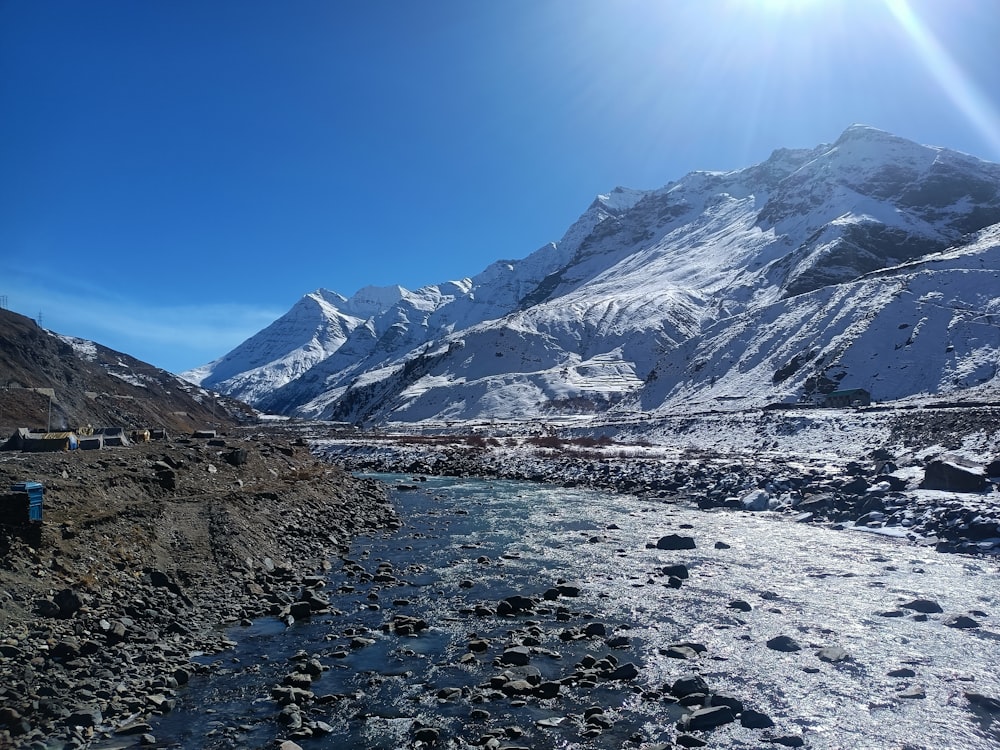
467	544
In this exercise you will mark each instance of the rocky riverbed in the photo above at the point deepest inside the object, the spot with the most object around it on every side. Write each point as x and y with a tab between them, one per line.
145	553
931	497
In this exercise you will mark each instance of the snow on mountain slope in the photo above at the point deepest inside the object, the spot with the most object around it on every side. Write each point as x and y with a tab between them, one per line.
927	327
699	292
310	332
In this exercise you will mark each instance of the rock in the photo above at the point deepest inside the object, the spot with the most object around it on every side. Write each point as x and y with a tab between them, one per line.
288	745
740	605
755	500
627	671
687	685
680	652
952	477
961	621
755	720
708	718
687	740
783	643
722	545
516	656
925	606
675	542
789	740
514	605
68	602
916	692
675	571
87	717
904	672
547	689
833	654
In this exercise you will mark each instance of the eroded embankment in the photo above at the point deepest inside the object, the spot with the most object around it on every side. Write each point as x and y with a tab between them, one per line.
143	555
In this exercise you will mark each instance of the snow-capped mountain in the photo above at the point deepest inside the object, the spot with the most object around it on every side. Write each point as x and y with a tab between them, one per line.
853	264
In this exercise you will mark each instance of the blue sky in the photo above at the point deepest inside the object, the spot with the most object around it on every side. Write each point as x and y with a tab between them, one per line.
175	175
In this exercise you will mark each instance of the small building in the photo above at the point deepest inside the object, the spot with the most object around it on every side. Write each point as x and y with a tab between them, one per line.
112	436
91	442
41	442
848	397
22	505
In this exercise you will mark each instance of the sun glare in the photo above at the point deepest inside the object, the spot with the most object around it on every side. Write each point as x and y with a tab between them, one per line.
958	86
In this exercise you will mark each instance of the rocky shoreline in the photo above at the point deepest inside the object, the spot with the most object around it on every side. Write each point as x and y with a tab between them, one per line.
144	556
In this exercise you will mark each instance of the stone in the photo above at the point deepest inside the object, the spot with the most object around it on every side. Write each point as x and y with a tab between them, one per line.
709	718
916	692
952	477
675	542
783	643
514	605
68	602
740	605
547	689
516	656
755	720
925	606
961	621
627	671
675	571
86	717
833	654
687	685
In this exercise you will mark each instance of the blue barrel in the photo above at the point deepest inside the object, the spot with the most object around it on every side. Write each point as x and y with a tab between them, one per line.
35	493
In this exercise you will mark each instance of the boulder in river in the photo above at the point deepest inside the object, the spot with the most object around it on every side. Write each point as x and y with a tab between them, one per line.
783	643
675	542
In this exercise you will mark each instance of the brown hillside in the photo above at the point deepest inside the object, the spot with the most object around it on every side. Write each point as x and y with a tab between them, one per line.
95	385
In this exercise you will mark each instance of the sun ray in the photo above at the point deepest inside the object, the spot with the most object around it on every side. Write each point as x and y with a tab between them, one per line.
963	92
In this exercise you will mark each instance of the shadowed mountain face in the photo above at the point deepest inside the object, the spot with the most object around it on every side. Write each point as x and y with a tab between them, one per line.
59	382
770	283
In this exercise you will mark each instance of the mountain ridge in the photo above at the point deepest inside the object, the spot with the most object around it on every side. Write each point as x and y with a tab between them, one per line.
616	309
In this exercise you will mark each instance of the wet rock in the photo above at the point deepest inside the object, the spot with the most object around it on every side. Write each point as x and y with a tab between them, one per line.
548	689
789	740
675	571
688	685
515	605
755	719
708	718
517	656
679	652
783	643
627	671
687	740
675	542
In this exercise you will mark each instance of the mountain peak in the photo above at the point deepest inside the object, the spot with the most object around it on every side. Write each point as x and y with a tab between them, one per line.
663	299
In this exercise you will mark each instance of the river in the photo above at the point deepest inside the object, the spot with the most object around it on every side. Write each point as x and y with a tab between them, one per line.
899	680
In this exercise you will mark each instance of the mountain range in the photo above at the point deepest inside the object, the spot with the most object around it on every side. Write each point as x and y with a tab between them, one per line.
871	262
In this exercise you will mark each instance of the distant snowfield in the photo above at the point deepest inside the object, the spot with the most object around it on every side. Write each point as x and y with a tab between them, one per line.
872	263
